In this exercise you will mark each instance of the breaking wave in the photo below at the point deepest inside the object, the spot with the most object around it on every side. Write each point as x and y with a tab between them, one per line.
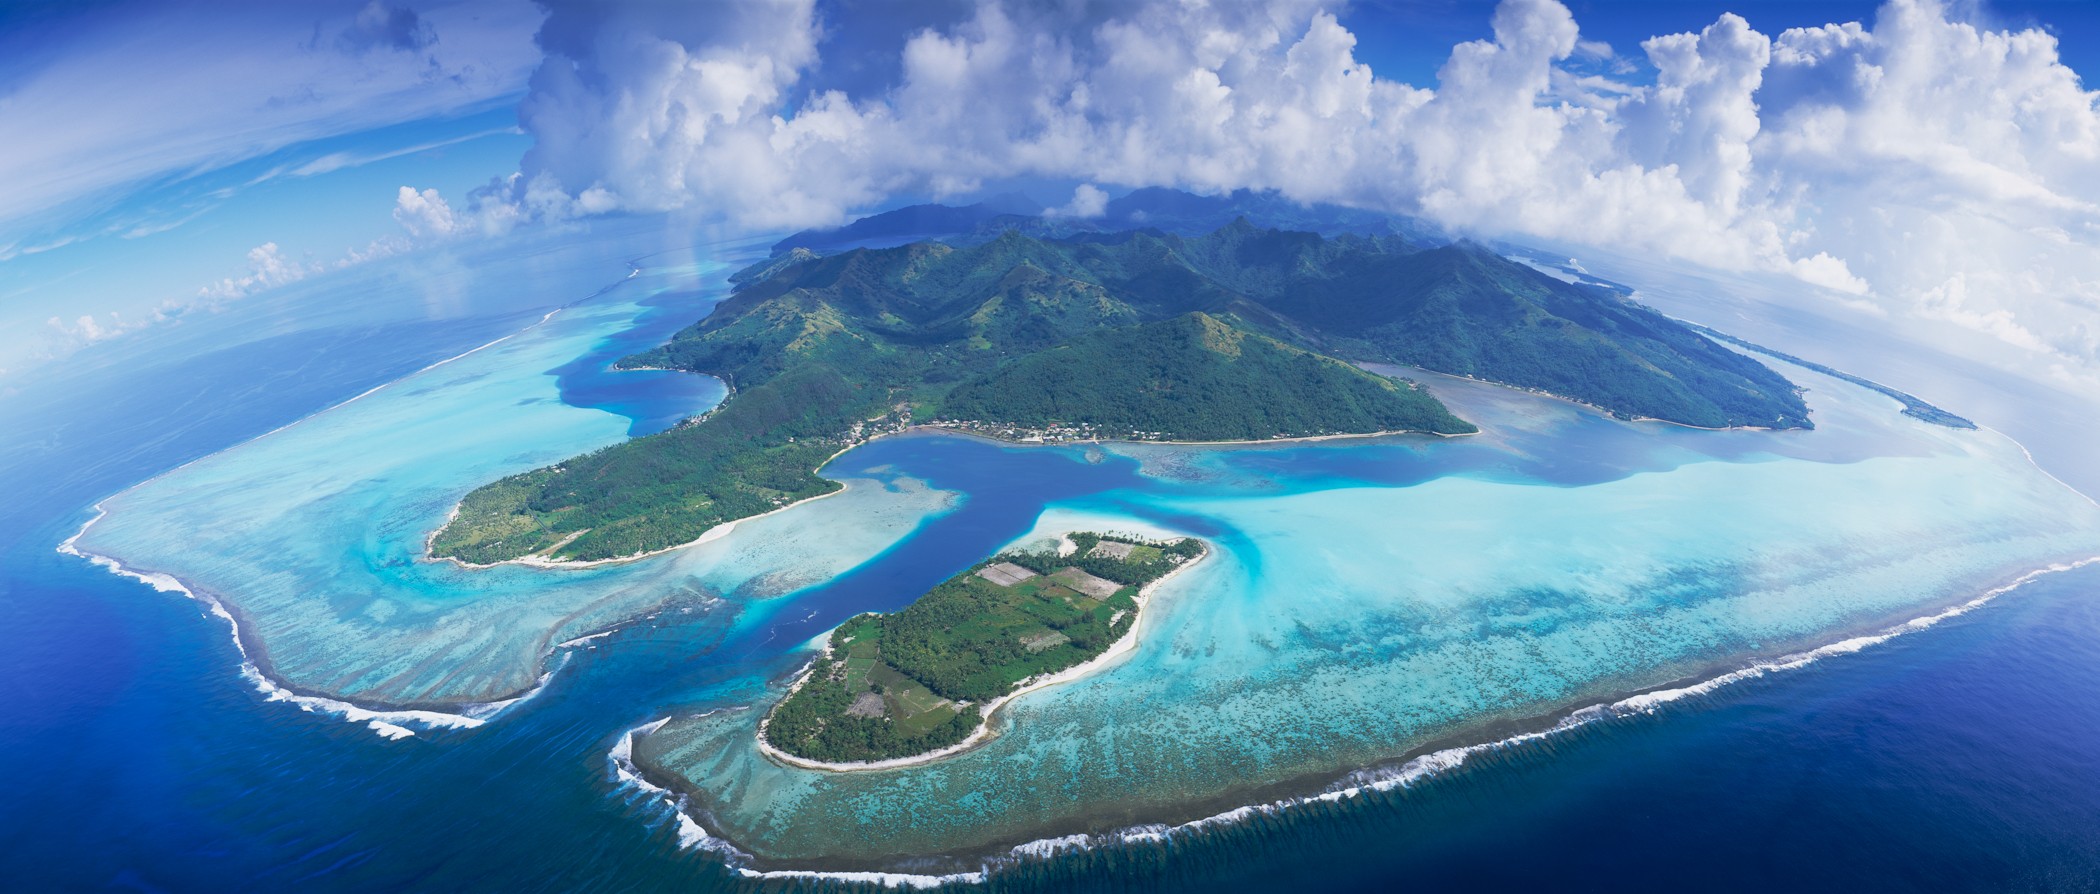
387	723
1414	771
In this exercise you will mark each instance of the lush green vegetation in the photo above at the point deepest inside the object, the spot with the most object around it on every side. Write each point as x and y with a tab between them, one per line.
1194	378
824	351
756	454
1461	309
910	682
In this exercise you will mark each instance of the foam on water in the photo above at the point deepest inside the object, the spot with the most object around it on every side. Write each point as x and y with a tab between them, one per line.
1344	624
387	723
1366	600
1414	771
693	836
310	538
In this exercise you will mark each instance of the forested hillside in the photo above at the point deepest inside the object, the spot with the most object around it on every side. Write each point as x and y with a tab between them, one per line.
1238	334
1194	378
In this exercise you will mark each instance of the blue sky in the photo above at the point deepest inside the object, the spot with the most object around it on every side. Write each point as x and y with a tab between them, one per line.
167	158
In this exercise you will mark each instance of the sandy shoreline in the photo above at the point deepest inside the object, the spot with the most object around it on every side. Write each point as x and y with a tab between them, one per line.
723	530
535	561
1122	647
711	534
1400	772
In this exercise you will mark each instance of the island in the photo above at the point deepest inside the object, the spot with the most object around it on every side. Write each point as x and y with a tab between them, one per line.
1242	334
920	683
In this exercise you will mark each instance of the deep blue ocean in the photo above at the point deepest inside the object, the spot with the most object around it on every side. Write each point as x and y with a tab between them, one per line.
132	757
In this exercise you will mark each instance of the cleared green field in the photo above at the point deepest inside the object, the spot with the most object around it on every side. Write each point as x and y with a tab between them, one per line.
857	672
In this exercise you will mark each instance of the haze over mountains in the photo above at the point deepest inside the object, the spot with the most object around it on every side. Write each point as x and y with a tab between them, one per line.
1456	307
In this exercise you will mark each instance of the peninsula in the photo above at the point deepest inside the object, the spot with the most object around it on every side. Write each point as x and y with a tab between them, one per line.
1240	334
1913	406
921	682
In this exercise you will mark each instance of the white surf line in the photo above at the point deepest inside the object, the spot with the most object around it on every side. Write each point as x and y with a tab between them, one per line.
388	723
2038	466
626	774
1361	782
1356	784
1433	763
585	639
693	836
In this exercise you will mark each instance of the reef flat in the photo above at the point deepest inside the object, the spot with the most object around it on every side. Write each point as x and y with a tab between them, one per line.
1364	599
1370	601
312	536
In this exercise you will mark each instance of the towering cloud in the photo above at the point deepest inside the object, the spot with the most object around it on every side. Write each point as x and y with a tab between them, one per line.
1944	169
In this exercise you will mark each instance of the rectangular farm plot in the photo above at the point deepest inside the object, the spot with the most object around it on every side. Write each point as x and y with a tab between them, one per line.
1045	640
915	708
1005	574
1121	551
908	700
857	673
1097	587
1111	549
925	722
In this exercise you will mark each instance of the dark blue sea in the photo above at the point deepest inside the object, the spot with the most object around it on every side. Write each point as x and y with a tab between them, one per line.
132	756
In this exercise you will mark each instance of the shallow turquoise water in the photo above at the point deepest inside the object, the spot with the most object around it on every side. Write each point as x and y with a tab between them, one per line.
1345	621
1367	598
314	534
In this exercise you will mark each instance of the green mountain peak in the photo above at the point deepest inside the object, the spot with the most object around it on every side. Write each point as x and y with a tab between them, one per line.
1235	335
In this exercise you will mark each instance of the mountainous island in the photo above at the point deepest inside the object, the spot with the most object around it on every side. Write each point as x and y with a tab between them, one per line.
917	681
1238	334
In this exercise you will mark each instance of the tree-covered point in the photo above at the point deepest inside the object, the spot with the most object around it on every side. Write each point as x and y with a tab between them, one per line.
913	681
822	352
1913	406
754	455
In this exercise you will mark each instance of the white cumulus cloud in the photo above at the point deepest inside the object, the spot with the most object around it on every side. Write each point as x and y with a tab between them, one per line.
424	213
1087	201
267	268
1936	167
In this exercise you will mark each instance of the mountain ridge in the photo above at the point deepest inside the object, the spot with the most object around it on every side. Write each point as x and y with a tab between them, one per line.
824	351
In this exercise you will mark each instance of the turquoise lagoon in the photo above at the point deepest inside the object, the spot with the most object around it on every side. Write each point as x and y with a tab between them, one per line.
313	535
1367	600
